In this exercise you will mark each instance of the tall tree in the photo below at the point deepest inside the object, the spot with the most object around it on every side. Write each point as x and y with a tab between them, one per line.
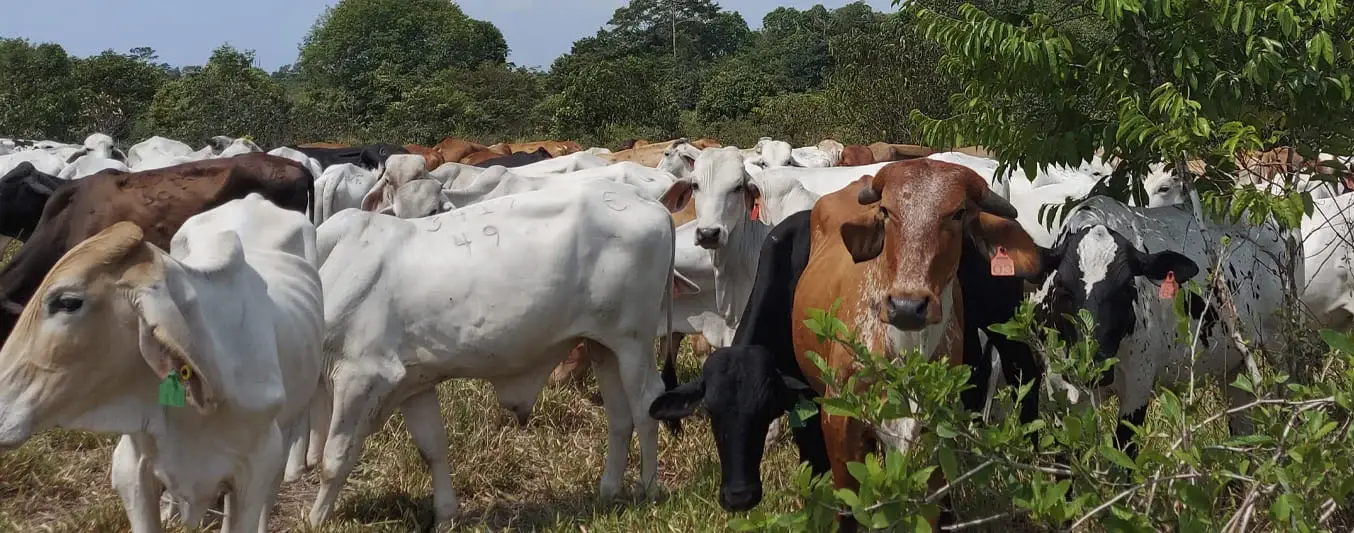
227	96
115	90
37	96
361	46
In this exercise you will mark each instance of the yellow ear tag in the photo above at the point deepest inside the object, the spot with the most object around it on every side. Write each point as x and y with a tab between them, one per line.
172	393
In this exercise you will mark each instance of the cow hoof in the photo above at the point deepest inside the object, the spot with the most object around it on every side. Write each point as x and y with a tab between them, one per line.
610	493
652	492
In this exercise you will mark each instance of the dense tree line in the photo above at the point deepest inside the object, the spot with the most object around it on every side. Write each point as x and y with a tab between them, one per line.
415	71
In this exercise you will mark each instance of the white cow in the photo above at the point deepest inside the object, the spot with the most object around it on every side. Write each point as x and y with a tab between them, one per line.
535	273
772	153
42	160
1111	259
341	187
205	323
298	156
562	164
90	164
1328	290
156	152
98	145
497	182
417	199
398	170
454	175
223	146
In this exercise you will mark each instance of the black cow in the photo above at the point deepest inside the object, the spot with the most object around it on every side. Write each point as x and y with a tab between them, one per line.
369	157
755	380
23	193
516	159
747	385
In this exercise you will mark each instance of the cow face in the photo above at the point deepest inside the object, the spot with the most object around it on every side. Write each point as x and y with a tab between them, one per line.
1097	269
1163	186
679	159
917	213
723	193
743	392
101	331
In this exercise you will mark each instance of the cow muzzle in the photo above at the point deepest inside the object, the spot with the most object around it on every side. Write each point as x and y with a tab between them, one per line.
709	238
739	499
907	313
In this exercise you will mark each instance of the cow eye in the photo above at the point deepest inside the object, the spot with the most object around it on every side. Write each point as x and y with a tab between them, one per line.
1163	189
695	187
65	304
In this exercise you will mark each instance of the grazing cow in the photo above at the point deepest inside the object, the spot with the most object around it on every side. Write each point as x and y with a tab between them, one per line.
453	150
227	330
751	383
157	200
156	152
855	155
891	254
341	187
1110	260
1329	264
595	259
515	160
23	193
370	157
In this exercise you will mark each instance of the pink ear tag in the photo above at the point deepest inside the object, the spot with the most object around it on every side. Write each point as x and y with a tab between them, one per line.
756	210
1168	287
1002	265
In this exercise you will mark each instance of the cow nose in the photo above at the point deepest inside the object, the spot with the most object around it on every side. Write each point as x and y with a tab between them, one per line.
906	313
707	237
740	499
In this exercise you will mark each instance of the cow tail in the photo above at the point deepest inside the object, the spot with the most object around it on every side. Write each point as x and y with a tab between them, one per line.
669	354
311	199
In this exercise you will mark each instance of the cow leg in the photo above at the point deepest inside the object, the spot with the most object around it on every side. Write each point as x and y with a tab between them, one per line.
136	484
1123	435
642	385
844	438
620	422
297	436
358	400
253	491
423	418
321	406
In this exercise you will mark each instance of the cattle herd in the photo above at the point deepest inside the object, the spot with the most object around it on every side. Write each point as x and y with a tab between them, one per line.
287	303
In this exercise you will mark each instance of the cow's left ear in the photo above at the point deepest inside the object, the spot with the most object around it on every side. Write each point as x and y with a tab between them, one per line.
990	232
166	342
863	235
679	402
751	193
1156	266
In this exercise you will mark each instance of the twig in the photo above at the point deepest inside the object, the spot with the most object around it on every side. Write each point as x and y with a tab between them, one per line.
981	521
946	489
1126	493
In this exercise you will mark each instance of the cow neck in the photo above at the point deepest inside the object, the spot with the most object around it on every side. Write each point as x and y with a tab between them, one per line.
735	266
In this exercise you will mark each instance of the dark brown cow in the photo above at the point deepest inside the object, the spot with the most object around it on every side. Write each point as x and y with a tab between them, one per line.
158	201
453	150
890	251
855	155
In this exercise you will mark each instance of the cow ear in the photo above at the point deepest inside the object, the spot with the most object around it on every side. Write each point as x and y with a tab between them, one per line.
751	193
796	386
678	195
1156	266
166	342
863	235
1050	259
678	403
374	196
77	155
991	232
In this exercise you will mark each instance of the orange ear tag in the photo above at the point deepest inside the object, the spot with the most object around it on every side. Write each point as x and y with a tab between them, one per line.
756	210
1168	287
1002	265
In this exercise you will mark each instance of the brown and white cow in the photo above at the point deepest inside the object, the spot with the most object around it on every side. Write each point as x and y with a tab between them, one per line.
890	251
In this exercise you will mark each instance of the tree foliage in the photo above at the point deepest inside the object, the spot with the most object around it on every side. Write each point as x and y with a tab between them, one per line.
228	96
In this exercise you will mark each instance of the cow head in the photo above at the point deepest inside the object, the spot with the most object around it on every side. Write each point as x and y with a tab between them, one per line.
1163	186
419	198
1097	269
104	328
917	214
399	170
723	193
679	159
743	392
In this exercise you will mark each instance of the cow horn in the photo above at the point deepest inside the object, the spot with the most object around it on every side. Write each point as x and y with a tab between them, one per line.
993	203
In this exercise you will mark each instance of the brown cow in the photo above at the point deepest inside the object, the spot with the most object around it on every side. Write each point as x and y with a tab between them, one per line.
650	154
884	152
855	155
556	148
453	150
158	201
432	156
890	251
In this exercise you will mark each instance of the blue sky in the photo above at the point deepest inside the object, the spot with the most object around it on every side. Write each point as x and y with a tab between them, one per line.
185	32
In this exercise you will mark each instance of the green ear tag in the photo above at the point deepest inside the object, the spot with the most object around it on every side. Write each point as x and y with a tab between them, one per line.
171	391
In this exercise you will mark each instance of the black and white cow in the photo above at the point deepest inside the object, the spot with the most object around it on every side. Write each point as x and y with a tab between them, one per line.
1111	260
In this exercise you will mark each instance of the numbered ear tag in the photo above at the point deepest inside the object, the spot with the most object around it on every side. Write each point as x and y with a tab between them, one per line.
1168	287
756	211
1002	265
171	390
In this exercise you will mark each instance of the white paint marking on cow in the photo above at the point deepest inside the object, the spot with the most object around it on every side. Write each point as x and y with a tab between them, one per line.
1096	250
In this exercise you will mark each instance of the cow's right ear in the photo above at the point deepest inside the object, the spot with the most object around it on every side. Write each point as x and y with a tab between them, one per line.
678	195
678	403
863	235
